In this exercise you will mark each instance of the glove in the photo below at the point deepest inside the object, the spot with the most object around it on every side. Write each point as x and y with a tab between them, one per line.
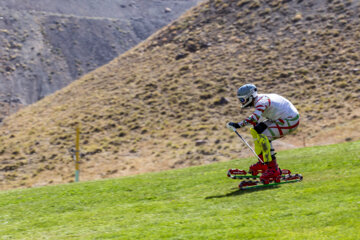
232	126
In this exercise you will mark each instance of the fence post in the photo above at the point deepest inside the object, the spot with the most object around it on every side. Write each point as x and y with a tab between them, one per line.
77	154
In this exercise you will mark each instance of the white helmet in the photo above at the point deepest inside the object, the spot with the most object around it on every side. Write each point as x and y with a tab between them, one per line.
246	94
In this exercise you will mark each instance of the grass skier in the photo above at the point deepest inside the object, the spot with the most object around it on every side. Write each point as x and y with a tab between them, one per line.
273	118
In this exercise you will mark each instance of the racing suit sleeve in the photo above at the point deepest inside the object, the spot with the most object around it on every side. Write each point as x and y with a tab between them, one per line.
260	107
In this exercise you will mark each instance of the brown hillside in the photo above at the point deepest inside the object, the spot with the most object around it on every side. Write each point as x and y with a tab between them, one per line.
164	104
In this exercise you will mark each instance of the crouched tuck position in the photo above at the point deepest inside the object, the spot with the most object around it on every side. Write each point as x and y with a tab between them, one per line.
274	117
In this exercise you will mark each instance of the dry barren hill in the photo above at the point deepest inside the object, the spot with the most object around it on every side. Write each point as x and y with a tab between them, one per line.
164	104
46	44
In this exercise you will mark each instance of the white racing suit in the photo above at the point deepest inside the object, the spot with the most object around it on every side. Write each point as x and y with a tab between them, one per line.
281	117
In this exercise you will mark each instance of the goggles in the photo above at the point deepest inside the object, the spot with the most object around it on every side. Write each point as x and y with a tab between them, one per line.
242	99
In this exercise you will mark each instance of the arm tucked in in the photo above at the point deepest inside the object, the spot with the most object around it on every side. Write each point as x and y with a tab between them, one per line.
260	106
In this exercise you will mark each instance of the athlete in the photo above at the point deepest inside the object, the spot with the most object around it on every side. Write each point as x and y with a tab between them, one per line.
273	118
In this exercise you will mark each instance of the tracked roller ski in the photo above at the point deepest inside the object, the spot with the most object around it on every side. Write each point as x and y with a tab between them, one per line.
253	181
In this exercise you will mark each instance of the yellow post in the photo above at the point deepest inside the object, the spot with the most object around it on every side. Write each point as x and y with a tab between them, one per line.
77	154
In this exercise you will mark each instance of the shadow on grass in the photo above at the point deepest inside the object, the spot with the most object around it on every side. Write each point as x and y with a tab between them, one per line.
242	192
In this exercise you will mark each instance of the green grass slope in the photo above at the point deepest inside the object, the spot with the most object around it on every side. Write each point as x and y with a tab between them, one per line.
197	203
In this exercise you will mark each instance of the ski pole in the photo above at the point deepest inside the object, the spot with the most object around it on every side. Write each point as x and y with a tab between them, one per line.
248	146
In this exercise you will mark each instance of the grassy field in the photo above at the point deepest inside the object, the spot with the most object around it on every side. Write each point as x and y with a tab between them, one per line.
197	203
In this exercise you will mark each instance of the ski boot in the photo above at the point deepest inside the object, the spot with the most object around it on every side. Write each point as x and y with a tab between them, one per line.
273	173
258	167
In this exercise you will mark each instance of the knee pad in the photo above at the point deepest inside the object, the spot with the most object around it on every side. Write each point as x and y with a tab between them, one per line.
262	145
260	127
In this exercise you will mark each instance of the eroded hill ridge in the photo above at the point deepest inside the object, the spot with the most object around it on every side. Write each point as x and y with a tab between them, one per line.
46	44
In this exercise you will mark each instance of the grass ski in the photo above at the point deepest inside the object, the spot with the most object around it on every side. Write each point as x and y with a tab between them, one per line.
242	174
244	177
286	177
244	185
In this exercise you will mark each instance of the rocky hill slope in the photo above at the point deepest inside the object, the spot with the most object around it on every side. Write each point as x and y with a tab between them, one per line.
164	104
46	44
